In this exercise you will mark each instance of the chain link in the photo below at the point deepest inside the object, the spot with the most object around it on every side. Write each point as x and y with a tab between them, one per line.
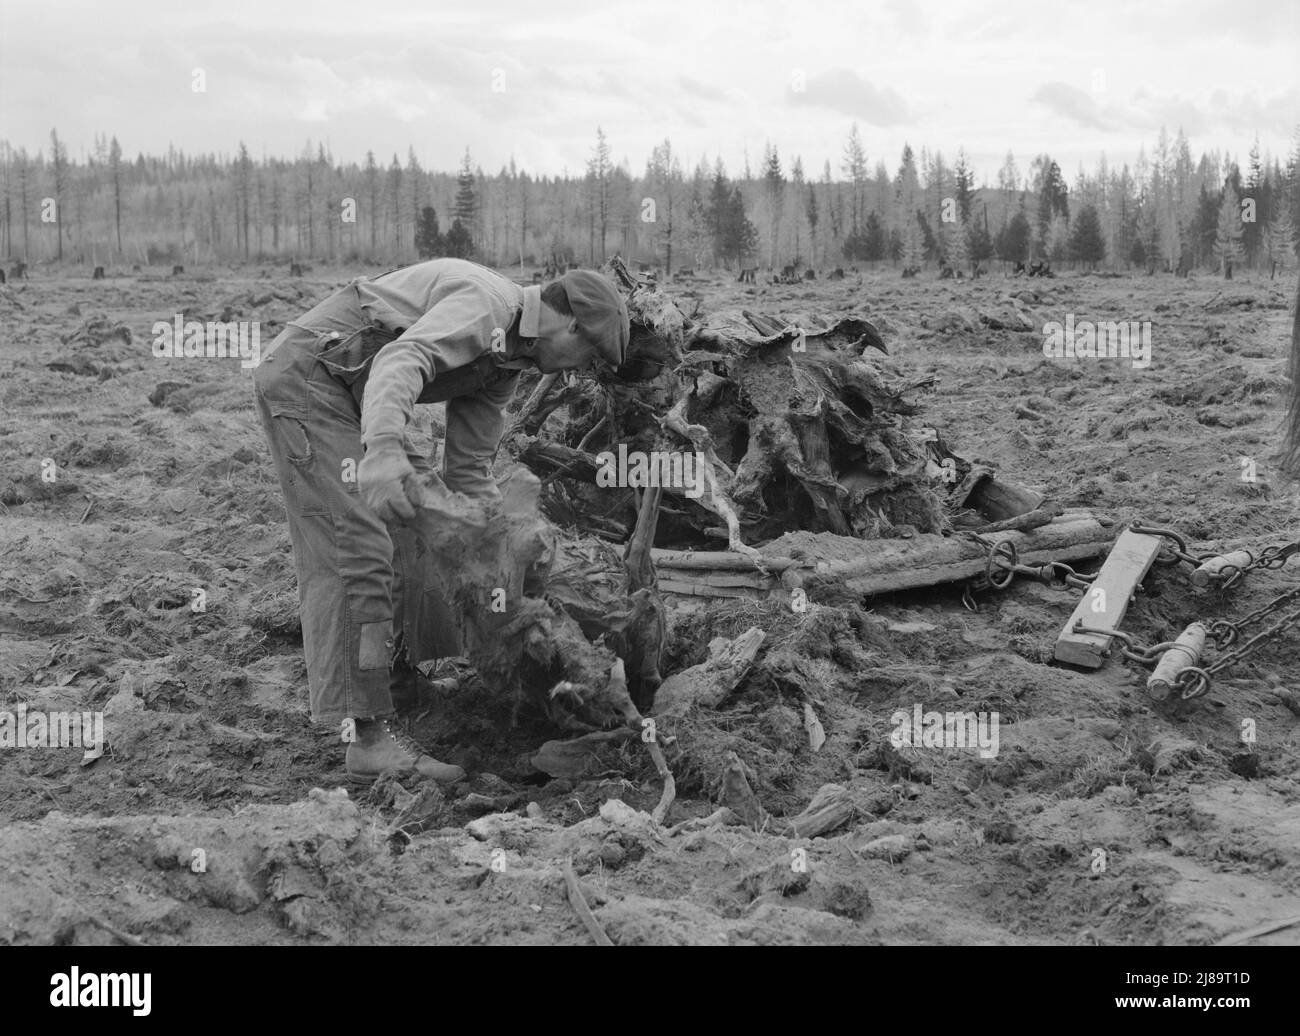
1270	557
1002	565
1004	559
1194	682
1132	650
1225	632
1170	555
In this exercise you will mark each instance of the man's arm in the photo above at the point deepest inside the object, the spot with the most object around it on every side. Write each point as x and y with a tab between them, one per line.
474	427
455	331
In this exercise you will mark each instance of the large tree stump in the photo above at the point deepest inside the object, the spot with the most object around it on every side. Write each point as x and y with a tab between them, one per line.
796	428
539	616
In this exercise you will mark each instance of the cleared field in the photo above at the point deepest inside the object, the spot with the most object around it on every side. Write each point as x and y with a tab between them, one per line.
162	486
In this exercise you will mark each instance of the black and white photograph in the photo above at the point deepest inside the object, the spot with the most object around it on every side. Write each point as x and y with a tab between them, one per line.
594	473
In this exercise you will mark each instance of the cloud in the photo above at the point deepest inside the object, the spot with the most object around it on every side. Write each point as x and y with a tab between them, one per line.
1072	103
907	17
843	90
701	91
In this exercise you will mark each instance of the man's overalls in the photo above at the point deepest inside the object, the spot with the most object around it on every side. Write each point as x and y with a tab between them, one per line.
368	595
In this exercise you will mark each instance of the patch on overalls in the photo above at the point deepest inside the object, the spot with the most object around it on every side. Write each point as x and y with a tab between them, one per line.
375	645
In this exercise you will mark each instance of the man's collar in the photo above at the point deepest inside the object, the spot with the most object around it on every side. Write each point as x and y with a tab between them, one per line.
526	328
530	319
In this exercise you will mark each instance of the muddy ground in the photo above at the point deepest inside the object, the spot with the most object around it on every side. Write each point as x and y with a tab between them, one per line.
162	485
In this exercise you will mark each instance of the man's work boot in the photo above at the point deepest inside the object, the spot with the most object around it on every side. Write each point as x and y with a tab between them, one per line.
379	748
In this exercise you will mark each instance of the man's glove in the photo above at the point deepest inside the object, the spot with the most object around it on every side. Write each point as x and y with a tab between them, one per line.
382	478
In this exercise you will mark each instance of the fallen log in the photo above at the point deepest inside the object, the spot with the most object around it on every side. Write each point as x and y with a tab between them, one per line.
574	757
710	682
994	498
881	566
830	808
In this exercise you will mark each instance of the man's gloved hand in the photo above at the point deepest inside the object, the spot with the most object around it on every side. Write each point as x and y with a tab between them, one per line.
382	478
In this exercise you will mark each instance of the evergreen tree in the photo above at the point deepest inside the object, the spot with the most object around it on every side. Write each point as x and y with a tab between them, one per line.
813	215
1205	227
855	168
739	235
964	178
907	193
1057	243
874	242
1279	242
1013	239
1252	233
459	244
465	209
957	247
774	186
1053	199
428	236
981	242
1227	237
1086	244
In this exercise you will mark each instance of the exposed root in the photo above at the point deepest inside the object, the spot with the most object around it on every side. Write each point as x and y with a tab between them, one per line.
579	903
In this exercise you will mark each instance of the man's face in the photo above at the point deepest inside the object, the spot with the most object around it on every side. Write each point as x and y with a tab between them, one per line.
559	346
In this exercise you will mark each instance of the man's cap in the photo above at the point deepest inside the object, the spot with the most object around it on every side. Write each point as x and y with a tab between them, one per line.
600	312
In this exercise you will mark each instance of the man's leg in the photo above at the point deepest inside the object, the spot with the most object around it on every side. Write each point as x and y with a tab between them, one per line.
343	555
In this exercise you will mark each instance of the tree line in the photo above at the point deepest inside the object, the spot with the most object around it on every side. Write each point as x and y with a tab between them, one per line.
1167	211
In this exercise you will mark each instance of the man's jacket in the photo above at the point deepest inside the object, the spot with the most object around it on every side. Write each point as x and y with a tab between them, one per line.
443	330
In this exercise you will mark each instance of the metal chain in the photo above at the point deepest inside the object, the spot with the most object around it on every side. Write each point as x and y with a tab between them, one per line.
1276	557
1225	632
1270	557
1170	555
1194	682
1005	558
1132	649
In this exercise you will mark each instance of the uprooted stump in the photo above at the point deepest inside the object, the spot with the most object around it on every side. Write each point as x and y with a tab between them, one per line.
539	616
764	423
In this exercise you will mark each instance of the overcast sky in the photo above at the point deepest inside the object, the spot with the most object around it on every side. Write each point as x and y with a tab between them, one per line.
719	77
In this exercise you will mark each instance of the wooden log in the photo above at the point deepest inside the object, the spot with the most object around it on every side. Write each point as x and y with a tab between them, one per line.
1106	601
998	500
929	560
576	756
693	589
1221	567
712	680
830	808
715	560
1039	516
752	580
886	566
1185	652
